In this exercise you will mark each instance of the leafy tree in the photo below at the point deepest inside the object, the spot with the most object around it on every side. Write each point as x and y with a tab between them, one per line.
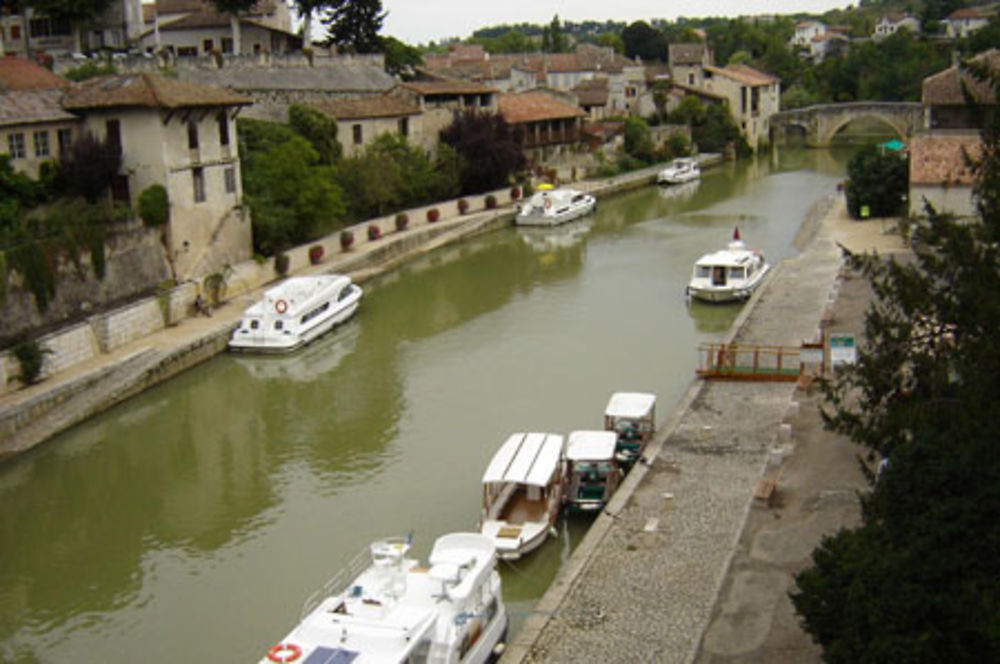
557	39
489	150
916	582
643	41
317	128
639	141
400	59
879	181
90	167
353	25
612	41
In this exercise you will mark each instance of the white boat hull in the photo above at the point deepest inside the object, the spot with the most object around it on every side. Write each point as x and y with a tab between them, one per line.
736	293
292	342
543	219
532	535
551	208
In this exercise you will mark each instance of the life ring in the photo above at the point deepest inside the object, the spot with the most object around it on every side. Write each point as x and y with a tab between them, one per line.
548	203
281	306
284	652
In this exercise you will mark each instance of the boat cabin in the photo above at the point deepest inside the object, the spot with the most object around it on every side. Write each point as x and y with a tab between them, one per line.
522	492
631	415
592	470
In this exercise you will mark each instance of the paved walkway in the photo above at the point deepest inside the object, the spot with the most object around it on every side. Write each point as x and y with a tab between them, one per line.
642	585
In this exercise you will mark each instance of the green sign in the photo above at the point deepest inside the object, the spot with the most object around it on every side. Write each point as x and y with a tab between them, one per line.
842	350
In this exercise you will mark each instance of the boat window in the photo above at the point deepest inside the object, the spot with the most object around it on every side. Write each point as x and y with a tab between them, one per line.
254	324
315	312
749	270
719	275
735	273
279	325
345	292
703	271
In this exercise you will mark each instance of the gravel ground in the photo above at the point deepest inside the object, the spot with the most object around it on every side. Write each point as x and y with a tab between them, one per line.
643	584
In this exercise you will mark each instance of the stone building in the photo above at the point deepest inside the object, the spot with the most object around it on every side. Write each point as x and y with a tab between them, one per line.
32	32
361	120
549	125
752	95
195	27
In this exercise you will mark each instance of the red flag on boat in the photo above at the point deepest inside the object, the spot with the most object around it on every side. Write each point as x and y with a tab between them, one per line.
736	233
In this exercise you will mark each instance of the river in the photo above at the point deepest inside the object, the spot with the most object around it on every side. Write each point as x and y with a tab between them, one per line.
190	523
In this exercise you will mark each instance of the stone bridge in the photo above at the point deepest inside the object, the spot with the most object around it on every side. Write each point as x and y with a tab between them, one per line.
822	121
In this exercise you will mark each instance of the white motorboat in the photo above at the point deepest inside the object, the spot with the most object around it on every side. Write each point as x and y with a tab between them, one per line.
551	207
295	312
522	493
391	609
632	416
592	470
728	275
683	169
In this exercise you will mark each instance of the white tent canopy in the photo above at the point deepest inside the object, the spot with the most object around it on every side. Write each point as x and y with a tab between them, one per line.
526	458
633	405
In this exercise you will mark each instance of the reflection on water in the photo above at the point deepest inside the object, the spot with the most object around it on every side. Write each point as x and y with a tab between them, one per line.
679	192
191	522
563	236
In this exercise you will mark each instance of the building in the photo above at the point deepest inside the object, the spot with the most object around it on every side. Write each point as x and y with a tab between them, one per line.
890	24
32	32
809	39
687	63
939	173
753	97
181	136
548	124
963	22
438	100
196	28
361	120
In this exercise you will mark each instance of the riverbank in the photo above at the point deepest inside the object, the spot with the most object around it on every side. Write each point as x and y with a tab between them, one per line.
32	415
683	565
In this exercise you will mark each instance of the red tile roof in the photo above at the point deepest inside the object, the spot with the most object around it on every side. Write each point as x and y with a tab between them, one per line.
23	107
940	159
743	74
535	106
592	92
966	13
20	74
948	87
448	87
146	91
382	106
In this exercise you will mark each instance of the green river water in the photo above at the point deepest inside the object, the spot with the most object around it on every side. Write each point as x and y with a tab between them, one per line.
190	523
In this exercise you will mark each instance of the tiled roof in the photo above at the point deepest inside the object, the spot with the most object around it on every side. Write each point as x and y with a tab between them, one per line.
146	91
743	74
31	107
356	78
686	54
448	87
469	70
947	88
940	159
187	6
534	106
382	106
966	13
21	74
592	92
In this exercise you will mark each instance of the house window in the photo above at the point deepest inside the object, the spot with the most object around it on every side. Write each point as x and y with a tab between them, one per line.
192	135
208	45
404	126
230	176
15	32
119	188
113	129
15	146
187	50
223	129
49	27
227	44
41	143
691	79
65	139
198	177
357	134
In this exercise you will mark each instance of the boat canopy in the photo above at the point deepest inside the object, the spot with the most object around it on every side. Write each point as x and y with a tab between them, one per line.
526	458
591	445
630	404
298	293
726	258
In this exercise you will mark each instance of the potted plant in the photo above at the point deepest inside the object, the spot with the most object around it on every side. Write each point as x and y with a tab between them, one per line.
402	221
491	202
281	263
515	193
316	254
374	232
433	215
346	239
463	206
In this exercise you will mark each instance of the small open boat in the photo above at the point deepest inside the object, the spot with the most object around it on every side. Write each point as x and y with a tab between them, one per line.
592	470
632	416
683	169
388	608
550	207
295	312
522	493
728	275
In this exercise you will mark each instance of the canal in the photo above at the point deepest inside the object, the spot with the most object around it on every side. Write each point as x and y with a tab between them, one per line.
190	523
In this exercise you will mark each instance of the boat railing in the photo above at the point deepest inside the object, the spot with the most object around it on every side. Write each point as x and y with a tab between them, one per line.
338	582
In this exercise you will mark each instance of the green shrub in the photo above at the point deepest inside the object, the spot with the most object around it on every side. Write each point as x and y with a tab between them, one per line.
281	263
30	356
154	206
346	239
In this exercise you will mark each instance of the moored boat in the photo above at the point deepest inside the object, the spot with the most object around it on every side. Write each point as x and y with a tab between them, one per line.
522	493
592	470
731	274
632	416
550	207
295	312
384	607
682	169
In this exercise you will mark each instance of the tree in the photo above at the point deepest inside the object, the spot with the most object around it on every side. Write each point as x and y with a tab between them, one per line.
557	38
639	141
400	59
916	582
643	41
90	167
317	128
353	25
488	148
879	181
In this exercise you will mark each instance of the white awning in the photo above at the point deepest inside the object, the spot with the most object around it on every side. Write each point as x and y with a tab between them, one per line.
591	445
633	405
526	458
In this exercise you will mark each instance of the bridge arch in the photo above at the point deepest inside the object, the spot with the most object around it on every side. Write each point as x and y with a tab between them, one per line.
900	128
822	121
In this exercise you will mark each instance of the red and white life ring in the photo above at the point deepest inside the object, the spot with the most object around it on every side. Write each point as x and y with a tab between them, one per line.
548	203
281	306
284	652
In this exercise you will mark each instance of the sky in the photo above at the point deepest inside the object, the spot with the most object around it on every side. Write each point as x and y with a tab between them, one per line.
421	21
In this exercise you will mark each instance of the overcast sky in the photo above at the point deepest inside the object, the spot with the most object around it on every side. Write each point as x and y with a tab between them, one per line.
420	21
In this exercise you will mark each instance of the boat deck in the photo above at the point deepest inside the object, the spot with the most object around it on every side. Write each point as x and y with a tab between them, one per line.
521	510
